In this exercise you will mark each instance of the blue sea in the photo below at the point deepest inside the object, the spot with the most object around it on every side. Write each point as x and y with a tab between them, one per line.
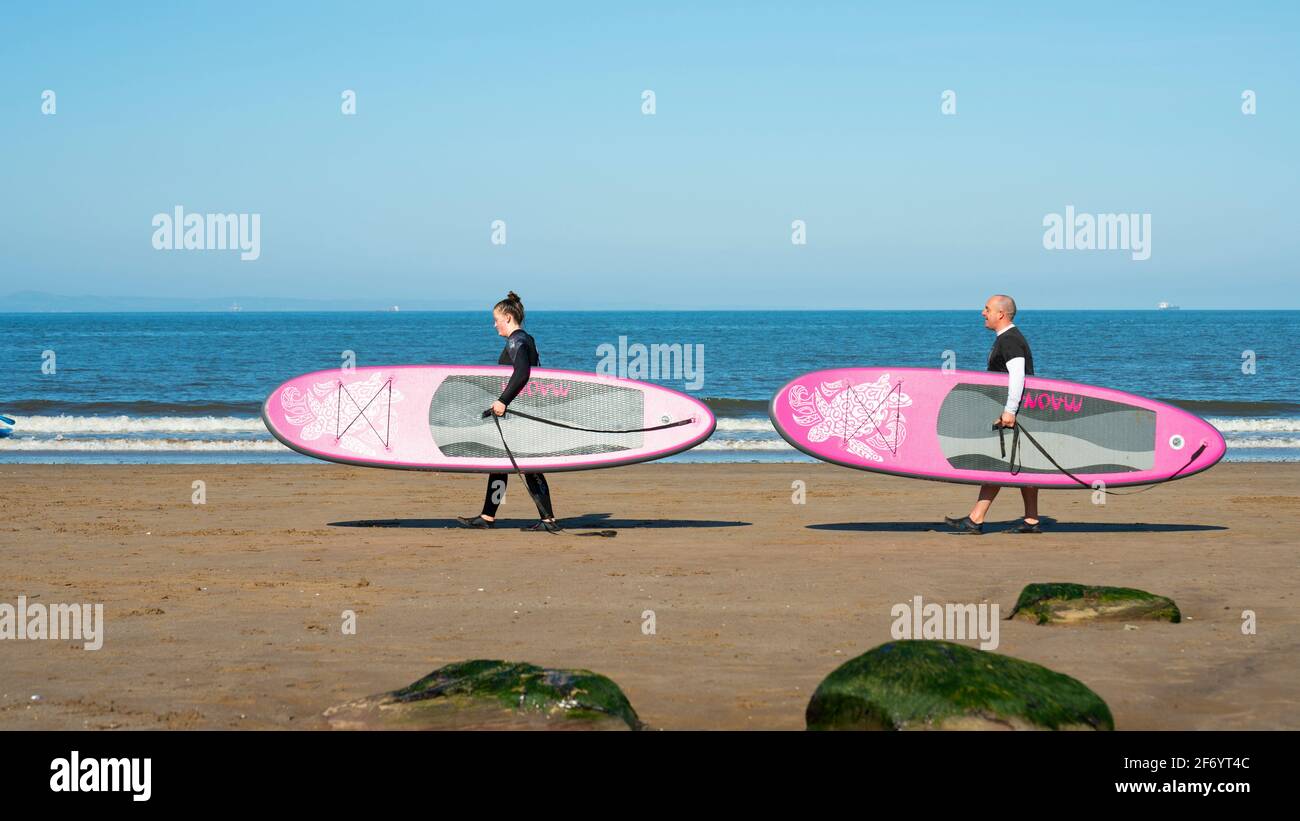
188	387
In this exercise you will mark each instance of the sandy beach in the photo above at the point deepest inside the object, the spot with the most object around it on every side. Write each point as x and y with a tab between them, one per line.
227	614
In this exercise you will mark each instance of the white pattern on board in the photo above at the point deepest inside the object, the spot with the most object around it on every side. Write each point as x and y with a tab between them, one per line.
866	417
318	412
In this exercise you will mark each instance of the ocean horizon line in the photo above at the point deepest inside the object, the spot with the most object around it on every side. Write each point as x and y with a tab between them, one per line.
288	310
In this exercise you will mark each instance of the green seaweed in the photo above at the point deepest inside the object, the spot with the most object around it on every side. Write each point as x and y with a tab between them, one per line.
570	694
919	683
1037	600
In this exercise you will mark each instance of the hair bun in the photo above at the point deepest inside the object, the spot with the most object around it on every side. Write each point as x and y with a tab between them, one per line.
511	306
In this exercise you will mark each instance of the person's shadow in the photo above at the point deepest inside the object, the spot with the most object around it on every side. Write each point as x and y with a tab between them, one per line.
1049	524
586	520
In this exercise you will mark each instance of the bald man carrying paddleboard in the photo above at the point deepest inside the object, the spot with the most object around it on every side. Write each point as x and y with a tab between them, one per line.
1010	355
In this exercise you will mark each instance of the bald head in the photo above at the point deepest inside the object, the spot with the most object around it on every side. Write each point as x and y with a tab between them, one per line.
999	311
1005	304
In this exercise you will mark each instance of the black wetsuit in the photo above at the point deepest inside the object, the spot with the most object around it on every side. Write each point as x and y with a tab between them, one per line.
521	352
1009	345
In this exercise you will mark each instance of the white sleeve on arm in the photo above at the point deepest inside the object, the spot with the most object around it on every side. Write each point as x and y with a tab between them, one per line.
1016	385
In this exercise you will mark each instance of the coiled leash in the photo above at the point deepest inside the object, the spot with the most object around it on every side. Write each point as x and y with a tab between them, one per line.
1014	467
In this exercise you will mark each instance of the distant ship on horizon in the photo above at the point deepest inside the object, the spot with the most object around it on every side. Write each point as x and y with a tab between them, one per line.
1166	306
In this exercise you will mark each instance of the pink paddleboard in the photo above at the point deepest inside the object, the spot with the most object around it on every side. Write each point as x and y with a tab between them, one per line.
935	424
429	417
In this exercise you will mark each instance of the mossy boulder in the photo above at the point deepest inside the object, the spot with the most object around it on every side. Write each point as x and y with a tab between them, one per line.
491	694
1065	603
938	685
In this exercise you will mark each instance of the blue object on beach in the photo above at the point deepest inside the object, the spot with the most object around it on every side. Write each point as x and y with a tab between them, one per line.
7	420
6	432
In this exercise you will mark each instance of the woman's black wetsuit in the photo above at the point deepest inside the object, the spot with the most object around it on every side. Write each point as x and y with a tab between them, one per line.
521	352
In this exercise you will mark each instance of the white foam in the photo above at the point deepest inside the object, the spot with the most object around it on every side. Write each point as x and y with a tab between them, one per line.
729	424
235	424
137	424
1239	425
743	444
28	443
1263	442
22	442
1248	456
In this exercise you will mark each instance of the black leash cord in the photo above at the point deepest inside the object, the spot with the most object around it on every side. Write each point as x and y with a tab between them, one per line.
676	424
524	479
1015	451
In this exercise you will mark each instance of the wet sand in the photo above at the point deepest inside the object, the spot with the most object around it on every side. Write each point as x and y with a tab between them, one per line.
228	614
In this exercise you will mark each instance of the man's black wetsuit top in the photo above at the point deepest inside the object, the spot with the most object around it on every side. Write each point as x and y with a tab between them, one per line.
1009	345
521	352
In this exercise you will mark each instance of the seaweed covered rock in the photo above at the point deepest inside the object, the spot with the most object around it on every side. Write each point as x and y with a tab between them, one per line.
490	694
1065	603
939	685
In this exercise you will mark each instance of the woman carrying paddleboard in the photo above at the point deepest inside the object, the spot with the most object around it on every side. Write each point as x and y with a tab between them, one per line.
520	352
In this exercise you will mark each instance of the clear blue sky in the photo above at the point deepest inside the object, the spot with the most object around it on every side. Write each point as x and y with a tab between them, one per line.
531	113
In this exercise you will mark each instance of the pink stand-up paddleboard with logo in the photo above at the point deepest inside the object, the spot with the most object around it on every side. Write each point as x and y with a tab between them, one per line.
430	417
935	424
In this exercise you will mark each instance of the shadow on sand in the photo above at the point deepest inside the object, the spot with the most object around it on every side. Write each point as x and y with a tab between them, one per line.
1050	525
587	520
